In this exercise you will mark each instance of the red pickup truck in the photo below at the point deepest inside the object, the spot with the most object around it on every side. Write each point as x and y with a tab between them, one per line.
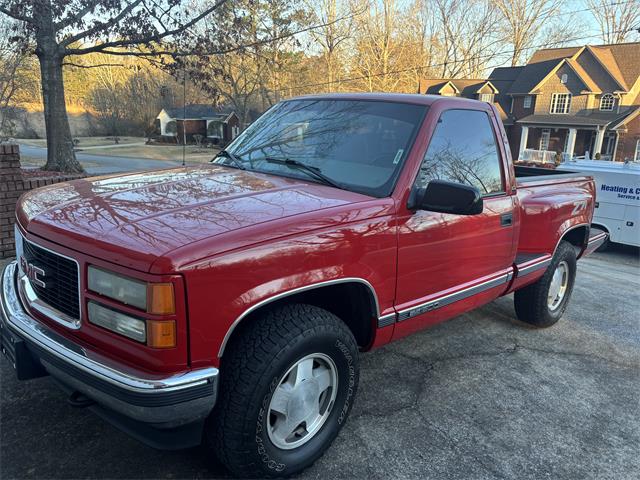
228	302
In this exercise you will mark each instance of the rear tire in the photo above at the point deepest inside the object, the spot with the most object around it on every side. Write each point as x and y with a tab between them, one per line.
288	384
542	303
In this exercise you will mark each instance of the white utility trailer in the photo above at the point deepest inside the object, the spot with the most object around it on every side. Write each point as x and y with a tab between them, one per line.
617	197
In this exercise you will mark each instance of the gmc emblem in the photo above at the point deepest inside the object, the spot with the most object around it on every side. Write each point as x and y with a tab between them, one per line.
33	273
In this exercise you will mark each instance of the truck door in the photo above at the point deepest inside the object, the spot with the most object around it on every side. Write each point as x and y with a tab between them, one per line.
447	263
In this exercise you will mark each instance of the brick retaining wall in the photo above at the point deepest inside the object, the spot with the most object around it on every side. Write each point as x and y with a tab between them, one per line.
12	185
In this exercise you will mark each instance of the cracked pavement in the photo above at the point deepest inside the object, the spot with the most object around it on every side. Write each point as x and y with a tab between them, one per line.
481	396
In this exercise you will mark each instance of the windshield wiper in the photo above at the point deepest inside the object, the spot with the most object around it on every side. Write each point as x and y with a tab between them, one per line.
235	160
308	169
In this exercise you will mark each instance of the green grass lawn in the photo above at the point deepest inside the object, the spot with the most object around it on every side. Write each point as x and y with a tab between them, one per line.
158	152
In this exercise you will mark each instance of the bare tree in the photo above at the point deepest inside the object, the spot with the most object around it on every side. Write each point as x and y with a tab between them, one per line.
12	61
616	19
524	22
337	19
235	78
467	35
379	47
67	28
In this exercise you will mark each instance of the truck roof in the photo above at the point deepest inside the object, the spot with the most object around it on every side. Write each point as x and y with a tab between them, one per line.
411	98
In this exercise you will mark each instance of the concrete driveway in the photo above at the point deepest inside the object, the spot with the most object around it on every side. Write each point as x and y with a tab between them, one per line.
478	397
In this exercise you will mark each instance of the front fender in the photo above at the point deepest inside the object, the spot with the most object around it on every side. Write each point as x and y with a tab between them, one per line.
225	289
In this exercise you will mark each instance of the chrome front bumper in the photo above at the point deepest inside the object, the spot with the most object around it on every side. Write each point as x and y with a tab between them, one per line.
161	401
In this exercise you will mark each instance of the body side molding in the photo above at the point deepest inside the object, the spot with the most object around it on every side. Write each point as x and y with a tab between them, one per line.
452	297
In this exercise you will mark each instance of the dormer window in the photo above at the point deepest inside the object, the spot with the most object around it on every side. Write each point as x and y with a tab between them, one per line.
564	78
486	97
527	101
606	102
560	103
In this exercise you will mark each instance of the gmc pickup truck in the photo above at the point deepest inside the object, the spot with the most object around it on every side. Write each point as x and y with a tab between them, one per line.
227	303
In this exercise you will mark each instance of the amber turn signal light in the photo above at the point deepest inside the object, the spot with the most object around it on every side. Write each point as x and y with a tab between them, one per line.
160	299
161	334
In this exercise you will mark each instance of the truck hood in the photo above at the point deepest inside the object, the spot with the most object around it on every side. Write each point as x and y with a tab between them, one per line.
134	219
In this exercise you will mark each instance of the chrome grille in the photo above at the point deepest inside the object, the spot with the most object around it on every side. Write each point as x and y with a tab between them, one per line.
61	289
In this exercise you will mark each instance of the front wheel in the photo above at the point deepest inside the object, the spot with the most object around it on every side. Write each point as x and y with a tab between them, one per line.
542	303
288	385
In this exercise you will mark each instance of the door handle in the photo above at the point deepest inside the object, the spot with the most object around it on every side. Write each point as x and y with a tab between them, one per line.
506	219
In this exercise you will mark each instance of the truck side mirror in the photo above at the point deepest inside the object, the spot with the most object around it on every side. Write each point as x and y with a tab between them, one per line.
447	197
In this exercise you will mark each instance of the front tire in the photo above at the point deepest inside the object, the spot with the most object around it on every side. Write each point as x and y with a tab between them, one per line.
542	303
288	384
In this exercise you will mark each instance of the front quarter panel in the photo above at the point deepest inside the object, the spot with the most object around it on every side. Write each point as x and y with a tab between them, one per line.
345	243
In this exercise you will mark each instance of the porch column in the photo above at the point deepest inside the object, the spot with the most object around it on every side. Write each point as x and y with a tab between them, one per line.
597	147
571	142
524	136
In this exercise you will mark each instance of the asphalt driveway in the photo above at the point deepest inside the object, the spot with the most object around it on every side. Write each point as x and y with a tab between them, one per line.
478	397
96	164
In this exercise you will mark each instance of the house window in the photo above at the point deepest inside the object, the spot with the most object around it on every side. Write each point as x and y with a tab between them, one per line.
564	78
636	156
606	102
171	128
486	97
560	103
527	101
544	139
215	130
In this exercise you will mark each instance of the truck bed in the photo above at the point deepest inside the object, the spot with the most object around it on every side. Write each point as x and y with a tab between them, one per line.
530	176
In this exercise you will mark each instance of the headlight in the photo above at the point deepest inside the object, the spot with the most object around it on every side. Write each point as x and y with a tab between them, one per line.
123	289
117	322
156	298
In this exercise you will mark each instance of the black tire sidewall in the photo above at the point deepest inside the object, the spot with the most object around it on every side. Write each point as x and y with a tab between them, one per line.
567	254
276	461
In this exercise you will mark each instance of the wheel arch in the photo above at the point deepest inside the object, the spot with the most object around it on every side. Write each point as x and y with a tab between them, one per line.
336	296
576	235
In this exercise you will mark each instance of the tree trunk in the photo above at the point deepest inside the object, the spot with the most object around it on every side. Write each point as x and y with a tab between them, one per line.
60	154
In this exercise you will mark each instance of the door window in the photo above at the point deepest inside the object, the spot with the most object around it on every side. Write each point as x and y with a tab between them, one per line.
545	136
463	149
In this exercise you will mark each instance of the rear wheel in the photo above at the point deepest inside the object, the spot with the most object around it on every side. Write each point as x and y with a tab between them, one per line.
542	303
287	388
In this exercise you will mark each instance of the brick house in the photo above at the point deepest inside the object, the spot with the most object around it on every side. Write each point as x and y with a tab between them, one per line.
219	125
576	101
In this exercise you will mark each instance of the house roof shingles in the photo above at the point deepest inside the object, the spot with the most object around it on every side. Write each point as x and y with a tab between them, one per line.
584	76
531	75
592	119
622	62
466	86
607	59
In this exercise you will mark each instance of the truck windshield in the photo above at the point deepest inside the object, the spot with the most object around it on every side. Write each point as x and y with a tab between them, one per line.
355	145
